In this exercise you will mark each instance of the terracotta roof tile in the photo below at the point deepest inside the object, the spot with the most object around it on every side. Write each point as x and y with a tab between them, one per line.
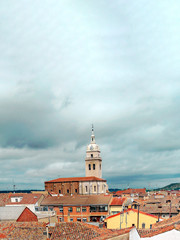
131	190
76	179
117	201
74	200
27	198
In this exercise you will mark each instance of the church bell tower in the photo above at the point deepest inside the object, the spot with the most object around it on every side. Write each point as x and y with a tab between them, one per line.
93	160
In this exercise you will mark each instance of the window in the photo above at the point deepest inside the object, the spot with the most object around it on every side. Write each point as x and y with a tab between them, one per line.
143	225
67	190
84	219
16	200
70	209
100	166
89	166
94	166
92	139
51	208
45	208
150	226
86	188
94	188
91	155
78	219
78	209
103	208
59	191
76	190
71	219
93	209
60	219
133	225
61	208
83	209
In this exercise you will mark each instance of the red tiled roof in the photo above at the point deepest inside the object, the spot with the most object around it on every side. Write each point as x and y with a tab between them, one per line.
2	235
117	201
86	200
27	198
134	210
4	198
154	232
76	179
63	231
168	222
132	190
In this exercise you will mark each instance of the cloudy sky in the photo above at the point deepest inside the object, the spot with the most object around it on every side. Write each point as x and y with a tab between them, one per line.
70	63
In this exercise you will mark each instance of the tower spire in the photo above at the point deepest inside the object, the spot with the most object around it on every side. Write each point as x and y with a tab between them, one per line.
92	135
92	129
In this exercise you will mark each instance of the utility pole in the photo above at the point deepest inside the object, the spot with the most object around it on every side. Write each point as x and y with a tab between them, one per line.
138	218
170	210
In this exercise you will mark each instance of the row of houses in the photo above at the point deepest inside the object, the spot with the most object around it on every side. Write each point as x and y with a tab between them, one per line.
92	208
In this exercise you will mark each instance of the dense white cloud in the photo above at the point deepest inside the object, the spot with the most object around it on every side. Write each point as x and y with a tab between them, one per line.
67	64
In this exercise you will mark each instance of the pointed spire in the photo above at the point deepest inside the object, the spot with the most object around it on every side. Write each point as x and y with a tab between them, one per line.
92	129
92	135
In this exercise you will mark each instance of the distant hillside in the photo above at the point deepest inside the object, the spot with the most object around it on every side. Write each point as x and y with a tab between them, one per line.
172	186
20	191
114	189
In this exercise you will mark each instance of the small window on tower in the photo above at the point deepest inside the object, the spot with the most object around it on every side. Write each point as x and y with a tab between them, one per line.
92	155
92	139
89	166
94	166
100	166
94	188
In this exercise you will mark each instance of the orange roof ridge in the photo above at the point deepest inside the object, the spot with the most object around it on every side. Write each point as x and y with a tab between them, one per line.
74	179
134	210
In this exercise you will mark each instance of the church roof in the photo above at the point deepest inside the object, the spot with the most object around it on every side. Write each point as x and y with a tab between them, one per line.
76	179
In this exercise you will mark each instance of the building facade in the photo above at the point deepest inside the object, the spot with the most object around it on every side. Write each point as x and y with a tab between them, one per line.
89	208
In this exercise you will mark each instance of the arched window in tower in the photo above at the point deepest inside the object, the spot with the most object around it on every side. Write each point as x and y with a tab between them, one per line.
91	155
89	166
94	166
92	139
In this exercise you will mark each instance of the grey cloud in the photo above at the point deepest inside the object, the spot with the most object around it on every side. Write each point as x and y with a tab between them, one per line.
65	65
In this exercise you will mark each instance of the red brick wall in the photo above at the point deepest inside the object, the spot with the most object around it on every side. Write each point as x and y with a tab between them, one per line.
66	215
27	216
63	187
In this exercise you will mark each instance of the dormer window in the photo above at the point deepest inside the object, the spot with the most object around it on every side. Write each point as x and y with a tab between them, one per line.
16	199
